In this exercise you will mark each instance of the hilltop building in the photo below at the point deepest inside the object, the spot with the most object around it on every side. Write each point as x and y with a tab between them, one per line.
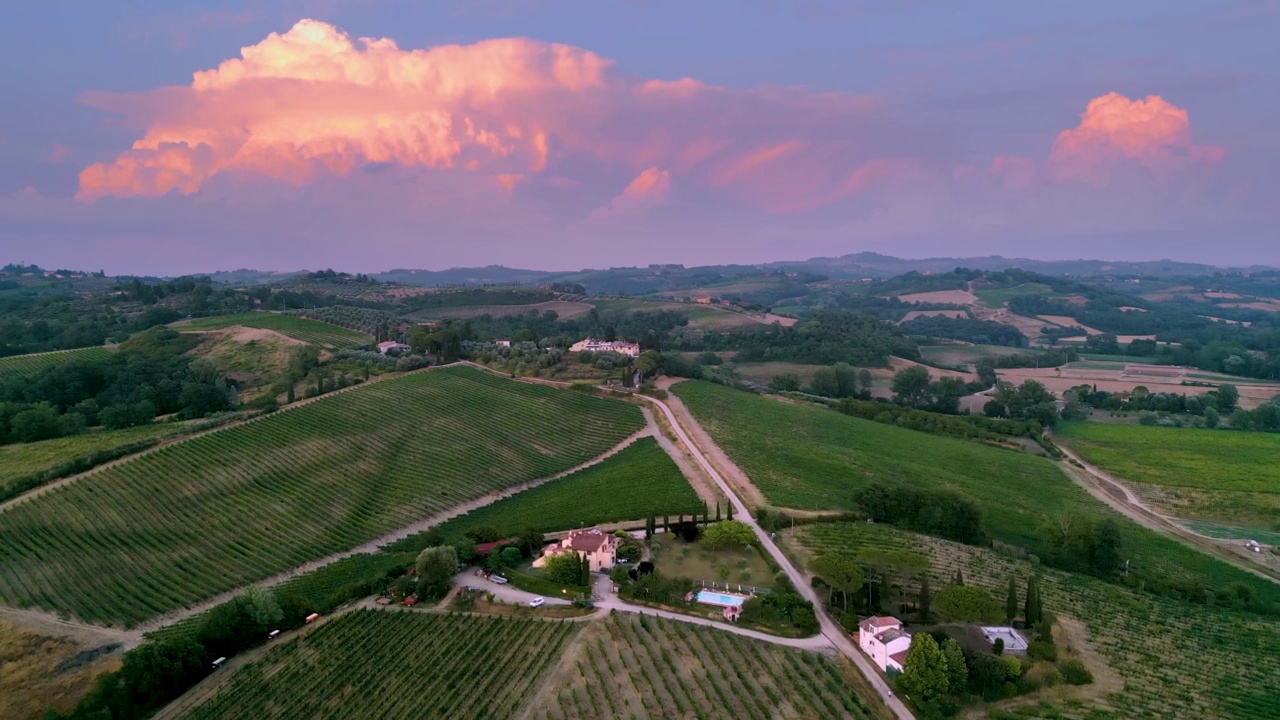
599	547
616	346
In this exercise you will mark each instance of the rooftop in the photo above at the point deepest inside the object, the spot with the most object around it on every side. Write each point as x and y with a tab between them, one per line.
588	540
889	636
880	621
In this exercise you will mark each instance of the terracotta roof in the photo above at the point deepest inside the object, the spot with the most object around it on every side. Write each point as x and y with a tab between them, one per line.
486	548
889	636
588	540
899	658
876	621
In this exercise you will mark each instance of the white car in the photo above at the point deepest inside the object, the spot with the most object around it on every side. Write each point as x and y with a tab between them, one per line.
537	602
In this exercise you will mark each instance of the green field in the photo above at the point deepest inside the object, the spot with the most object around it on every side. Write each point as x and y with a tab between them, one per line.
763	372
703	316
628	667
953	355
809	457
564	309
22	460
997	297
1211	474
234	507
639	481
309	331
18	366
1173	659
392	664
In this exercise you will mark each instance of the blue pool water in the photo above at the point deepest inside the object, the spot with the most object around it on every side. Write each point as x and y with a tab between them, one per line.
715	598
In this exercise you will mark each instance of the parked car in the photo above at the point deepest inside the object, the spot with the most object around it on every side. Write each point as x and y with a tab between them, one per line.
537	602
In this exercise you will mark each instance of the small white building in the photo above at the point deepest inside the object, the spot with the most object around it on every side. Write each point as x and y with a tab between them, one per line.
615	346
389	345
503	342
884	641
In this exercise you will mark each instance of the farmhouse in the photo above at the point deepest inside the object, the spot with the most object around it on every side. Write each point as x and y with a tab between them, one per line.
502	342
599	547
615	346
884	641
389	345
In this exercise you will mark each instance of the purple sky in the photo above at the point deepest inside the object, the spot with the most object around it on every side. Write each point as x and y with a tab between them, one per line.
159	137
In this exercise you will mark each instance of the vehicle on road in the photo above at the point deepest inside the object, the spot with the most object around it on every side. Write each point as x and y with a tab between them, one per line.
537	602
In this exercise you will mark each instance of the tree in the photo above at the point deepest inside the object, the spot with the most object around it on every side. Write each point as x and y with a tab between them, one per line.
967	603
840	572
263	608
436	566
957	670
959	579
911	386
785	382
825	383
1228	397
1031	613
563	568
1011	602
925	674
586	571
728	534
1104	551
290	396
864	382
728	510
650	526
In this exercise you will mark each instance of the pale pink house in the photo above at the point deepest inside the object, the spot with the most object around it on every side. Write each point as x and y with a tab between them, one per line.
599	547
884	641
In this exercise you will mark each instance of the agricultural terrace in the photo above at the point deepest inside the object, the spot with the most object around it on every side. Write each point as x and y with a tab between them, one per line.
997	297
809	457
26	459
308	331
391	665
236	506
1215	474
630	667
1172	659
16	366
639	481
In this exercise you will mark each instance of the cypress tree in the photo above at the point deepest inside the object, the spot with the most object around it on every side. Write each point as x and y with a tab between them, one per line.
290	397
728	509
1011	602
1031	608
717	511
959	579
666	523
649	527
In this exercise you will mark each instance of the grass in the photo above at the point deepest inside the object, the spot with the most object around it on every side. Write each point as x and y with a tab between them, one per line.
236	506
701	316
20	366
629	667
39	673
1209	474
809	457
565	309
22	460
391	665
308	331
997	297
763	372
1155	658
696	562
641	480
953	355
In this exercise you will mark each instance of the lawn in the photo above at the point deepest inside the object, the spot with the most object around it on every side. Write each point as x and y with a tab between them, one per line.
1172	659
23	460
395	664
233	507
18	366
997	297
628	667
309	331
810	457
1210	474
694	561
639	481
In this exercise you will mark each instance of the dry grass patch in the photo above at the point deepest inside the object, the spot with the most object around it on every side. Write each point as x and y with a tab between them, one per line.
40	673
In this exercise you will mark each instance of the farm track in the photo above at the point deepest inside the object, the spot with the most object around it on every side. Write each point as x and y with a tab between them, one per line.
183	438
830	629
1117	495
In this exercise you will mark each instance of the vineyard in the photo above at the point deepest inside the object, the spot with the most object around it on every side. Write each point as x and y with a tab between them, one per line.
639	481
18	366
629	667
365	320
1175	659
22	460
231	508
809	457
308	331
390	665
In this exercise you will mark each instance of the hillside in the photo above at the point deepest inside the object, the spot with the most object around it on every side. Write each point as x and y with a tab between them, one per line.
236	506
309	331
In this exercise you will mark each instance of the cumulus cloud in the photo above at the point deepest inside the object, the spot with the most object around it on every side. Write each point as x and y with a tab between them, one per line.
649	189
312	101
1116	133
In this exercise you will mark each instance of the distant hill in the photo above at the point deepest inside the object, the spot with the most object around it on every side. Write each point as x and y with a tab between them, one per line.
490	275
875	265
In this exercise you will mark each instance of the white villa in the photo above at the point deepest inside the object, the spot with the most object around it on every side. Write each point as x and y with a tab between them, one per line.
599	547
615	346
884	641
385	347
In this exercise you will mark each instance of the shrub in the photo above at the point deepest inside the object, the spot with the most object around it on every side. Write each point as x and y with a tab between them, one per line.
1074	672
1041	650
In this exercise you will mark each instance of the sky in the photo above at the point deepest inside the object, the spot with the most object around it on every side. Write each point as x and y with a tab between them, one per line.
168	138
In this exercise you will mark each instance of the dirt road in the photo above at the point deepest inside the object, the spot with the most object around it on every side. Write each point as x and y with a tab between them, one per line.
830	629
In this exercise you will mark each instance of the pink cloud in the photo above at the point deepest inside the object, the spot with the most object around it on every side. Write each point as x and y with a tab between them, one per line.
1116	133
649	189
314	102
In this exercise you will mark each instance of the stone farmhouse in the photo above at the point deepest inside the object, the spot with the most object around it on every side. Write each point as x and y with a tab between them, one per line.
599	547
616	346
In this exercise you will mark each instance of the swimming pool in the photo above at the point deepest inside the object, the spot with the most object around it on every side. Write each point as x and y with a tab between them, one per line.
721	599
